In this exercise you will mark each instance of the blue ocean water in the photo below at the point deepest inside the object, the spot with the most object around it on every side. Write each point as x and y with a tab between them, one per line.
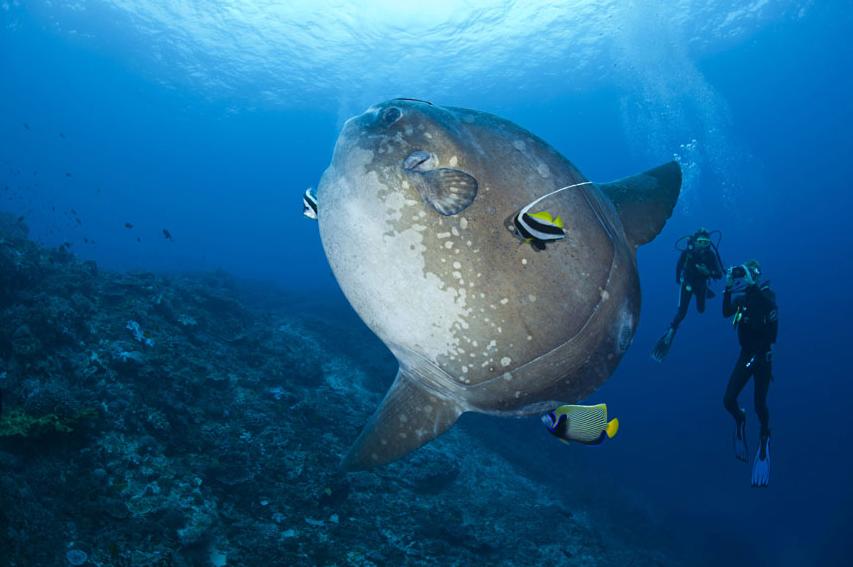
209	119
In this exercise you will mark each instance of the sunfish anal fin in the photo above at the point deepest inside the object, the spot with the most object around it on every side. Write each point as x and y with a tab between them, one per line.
408	417
645	201
448	191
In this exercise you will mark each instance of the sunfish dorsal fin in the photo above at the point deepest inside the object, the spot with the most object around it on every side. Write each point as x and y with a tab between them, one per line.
645	201
407	418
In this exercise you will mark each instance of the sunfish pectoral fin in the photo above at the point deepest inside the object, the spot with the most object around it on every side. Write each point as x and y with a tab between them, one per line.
448	191
407	418
645	201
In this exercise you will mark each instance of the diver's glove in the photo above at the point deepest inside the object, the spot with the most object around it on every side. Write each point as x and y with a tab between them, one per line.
761	465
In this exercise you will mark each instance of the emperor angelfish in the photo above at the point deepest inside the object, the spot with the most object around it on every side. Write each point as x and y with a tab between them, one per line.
416	203
583	424
309	205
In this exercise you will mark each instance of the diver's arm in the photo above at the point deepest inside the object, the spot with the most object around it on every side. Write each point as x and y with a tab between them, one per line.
729	306
718	270
772	316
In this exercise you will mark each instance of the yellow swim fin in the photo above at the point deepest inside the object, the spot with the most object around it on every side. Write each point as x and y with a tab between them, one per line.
612	428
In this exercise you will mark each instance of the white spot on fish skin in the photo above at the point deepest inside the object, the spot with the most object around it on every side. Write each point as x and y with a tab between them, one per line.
463	223
457	265
428	135
443	235
605	295
529	337
519	145
456	275
504	301
448	245
454	230
427	409
409	131
454	161
405	184
507	376
524	261
464	369
506	361
517	394
543	170
403	418
531	298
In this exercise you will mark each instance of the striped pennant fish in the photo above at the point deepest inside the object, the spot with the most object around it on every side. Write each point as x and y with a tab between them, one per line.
542	227
309	205
582	424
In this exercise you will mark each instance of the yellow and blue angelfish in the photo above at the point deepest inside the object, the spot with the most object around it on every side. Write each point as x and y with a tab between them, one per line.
582	424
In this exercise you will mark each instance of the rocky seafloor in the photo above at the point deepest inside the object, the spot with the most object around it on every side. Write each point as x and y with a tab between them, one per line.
152	420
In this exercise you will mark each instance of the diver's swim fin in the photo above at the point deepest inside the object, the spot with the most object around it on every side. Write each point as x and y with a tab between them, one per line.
761	465
739	439
408	417
663	345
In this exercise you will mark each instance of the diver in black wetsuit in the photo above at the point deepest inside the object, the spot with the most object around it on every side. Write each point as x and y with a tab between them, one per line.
755	315
699	262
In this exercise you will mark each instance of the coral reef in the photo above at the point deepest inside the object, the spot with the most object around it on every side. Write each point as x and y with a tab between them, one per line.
154	420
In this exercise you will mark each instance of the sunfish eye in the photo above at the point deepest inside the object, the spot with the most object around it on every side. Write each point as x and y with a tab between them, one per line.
417	160
390	115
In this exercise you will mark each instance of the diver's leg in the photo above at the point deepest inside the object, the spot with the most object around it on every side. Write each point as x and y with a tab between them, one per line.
740	376
763	375
701	292
683	303
661	348
761	464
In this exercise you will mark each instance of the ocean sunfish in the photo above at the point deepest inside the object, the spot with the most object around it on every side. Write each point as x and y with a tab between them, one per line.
418	224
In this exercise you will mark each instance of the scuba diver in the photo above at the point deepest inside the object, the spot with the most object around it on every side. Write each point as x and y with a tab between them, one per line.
699	262
754	314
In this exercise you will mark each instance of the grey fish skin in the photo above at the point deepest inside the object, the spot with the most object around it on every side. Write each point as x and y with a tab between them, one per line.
477	321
